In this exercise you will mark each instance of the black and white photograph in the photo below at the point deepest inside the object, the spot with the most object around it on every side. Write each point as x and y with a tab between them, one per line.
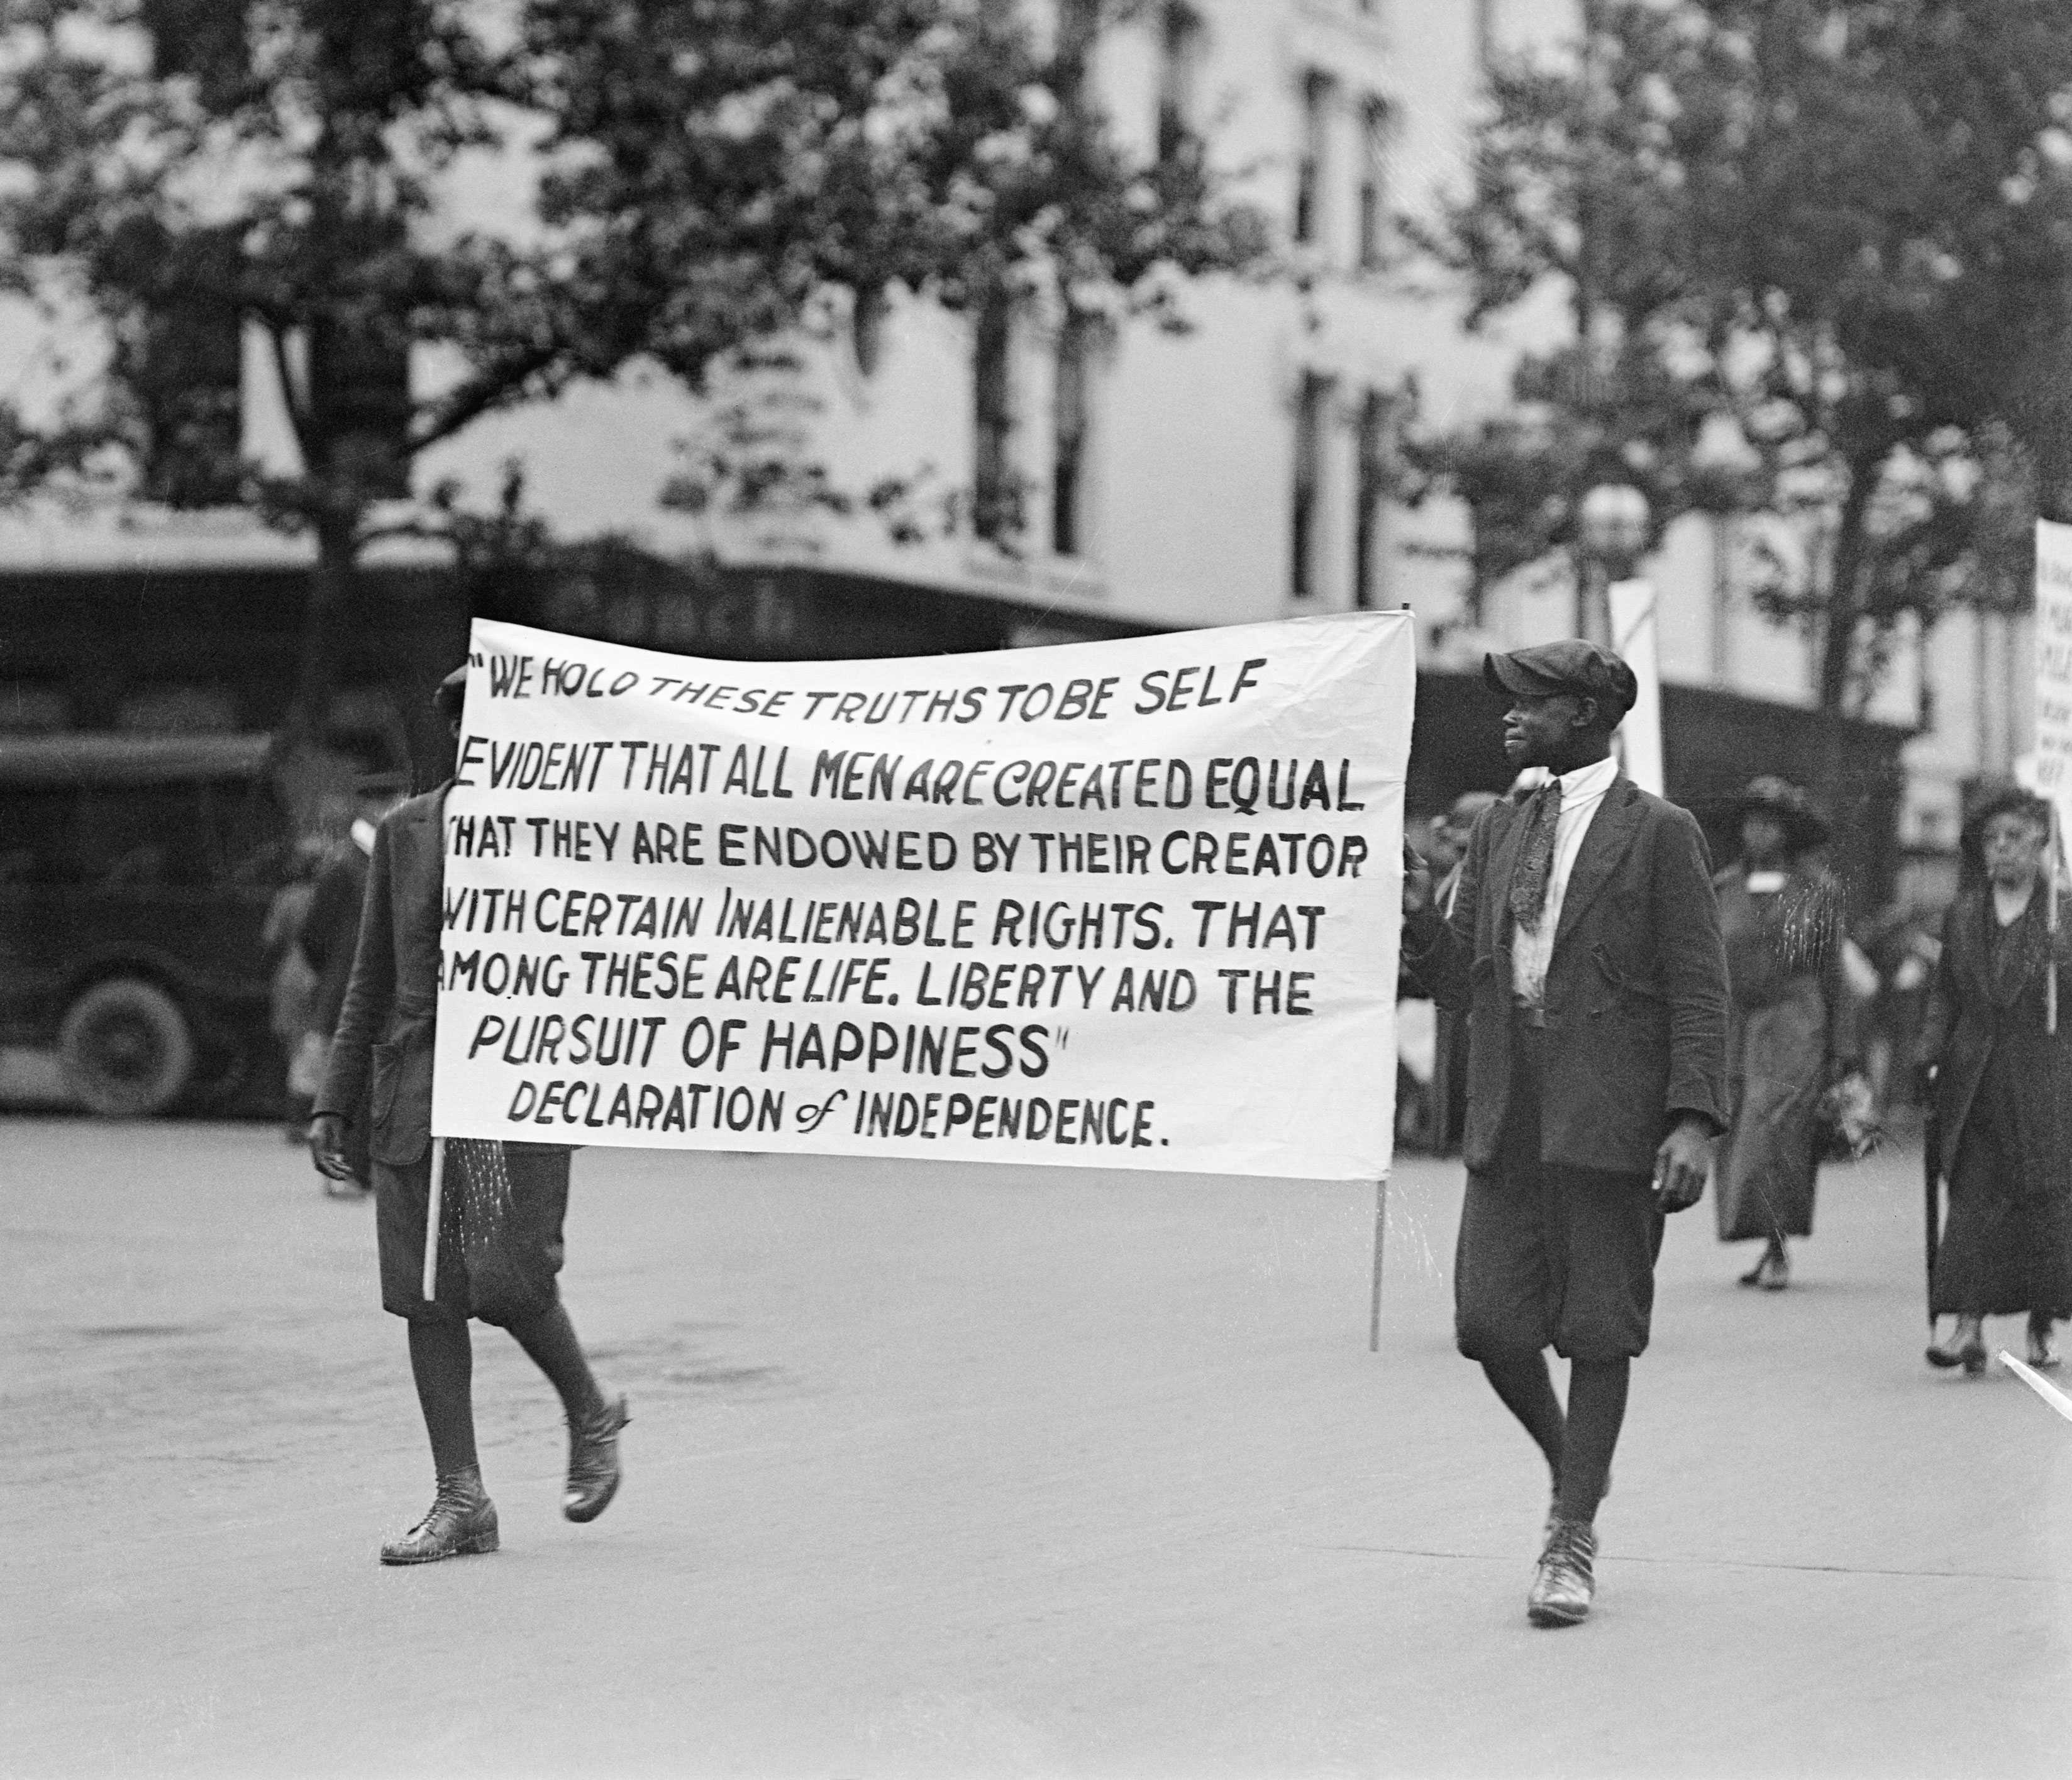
1036	889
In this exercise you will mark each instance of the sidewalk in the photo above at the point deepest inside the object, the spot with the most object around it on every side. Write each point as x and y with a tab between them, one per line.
1013	1472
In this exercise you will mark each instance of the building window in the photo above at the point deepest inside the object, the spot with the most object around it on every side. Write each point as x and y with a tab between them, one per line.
359	404
1310	170
185	375
866	327
995	496
1377	448
1181	42
179	357
1308	494
1374	184
1072	423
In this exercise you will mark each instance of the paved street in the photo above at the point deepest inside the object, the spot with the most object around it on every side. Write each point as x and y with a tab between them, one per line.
1013	1472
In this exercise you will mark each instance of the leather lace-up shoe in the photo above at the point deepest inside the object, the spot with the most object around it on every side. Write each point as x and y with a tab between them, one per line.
1563	1585
593	1461
461	1521
1967	1348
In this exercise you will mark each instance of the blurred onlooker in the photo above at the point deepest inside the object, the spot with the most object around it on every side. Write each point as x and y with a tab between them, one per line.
292	993
1790	1023
1449	1089
330	933
1903	944
1414	1025
2002	1080
1432	1044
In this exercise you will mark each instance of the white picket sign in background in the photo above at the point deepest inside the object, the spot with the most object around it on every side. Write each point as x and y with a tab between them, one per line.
2053	665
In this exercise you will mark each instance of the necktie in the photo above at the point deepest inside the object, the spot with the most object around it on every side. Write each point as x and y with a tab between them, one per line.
1535	858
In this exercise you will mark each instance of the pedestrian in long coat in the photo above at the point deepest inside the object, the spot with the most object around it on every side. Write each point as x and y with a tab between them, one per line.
1790	1032
499	1237
2002	1083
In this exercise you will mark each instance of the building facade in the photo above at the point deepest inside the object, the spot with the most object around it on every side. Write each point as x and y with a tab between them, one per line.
1244	470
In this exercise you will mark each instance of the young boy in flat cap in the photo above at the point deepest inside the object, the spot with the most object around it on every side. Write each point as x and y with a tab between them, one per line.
1585	944
500	1234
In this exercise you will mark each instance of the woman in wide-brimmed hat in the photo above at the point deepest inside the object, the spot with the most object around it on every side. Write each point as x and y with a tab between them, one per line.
1789	1030
2002	1083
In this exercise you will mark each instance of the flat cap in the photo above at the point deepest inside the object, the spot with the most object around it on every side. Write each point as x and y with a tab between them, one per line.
1569	665
446	697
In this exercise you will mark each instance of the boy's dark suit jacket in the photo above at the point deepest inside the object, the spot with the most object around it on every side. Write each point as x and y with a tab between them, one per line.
1636	990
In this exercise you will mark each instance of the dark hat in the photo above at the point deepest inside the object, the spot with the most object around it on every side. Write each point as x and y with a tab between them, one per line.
1569	665
1801	818
382	784
446	697
2000	800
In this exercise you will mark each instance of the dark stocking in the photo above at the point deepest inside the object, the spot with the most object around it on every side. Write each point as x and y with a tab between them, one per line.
1521	1380
550	1338
442	1363
1596	1407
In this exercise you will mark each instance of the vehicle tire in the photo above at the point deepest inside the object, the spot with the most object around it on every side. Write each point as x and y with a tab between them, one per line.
125	1049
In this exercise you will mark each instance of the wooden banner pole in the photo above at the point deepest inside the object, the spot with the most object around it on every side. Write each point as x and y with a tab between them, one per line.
2050	921
1380	1229
432	1205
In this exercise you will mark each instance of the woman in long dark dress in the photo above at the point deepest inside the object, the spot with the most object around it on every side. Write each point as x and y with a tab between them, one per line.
2003	1088
1790	1032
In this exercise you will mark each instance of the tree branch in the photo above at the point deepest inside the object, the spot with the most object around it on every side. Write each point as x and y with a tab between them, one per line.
476	396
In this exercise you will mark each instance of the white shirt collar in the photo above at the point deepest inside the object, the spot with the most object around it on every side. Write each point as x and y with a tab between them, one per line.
1593	781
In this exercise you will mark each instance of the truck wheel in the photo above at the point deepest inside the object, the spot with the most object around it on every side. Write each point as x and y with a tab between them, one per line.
125	1048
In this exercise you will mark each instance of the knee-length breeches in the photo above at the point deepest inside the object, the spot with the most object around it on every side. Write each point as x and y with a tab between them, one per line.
499	1231
1551	1256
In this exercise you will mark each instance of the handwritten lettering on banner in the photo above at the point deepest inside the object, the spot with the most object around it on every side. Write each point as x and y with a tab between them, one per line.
1112	904
2053	665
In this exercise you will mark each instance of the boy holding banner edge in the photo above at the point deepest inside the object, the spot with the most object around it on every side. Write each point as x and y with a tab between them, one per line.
1585	942
499	1240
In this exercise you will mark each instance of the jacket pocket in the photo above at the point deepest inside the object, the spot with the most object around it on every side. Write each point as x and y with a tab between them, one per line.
1639	987
387	1070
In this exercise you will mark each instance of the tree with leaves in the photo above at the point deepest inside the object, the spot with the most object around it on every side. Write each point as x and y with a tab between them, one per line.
1844	225
189	170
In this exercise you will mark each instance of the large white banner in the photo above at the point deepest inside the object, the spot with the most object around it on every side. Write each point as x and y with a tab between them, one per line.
2054	666
1112	904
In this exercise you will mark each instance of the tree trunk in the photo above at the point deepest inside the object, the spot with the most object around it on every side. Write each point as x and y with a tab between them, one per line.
997	491
324	625
1845	611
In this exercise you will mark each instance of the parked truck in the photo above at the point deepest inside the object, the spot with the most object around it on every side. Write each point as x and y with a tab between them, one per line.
135	876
